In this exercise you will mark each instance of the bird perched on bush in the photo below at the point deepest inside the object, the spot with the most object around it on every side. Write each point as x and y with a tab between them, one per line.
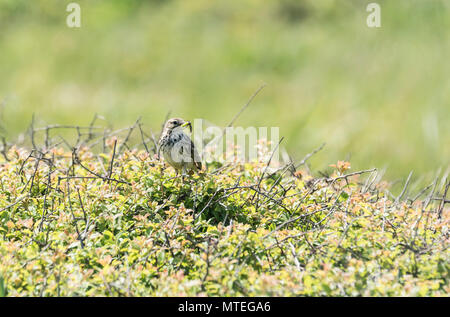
177	147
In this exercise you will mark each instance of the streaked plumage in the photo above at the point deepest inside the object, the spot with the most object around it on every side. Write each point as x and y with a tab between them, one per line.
177	147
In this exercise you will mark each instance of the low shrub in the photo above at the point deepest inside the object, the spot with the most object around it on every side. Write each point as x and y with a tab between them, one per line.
81	224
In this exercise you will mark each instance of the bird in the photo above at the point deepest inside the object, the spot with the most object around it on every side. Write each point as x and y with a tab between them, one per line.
177	147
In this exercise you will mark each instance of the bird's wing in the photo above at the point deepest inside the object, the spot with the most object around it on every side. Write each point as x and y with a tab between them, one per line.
158	146
195	157
189	147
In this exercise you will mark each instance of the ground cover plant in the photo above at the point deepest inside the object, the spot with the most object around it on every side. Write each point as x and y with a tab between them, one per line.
75	221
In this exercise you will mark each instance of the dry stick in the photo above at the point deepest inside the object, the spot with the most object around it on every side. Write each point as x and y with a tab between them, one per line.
4	149
44	212
112	159
376	178
305	236
294	254
277	182
34	173
153	139
287	166
284	169
130	131
77	143
23	164
220	169
103	141
95	177
289	237
90	128
326	216
397	200
61	126
344	235
264	172
168	243
142	138
443	201
245	106
263	194
208	242
32	131
270	160
70	147
308	156
223	197
107	133
43	158
428	213
46	137
291	221
333	180
102	165
93	173
311	190
207	205
13	204
73	215
420	193
240	111
82	207
427	201
332	208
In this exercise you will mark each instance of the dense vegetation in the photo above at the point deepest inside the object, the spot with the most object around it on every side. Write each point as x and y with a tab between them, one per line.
74	223
114	220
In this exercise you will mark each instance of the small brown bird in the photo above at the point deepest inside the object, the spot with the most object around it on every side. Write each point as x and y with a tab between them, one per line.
177	147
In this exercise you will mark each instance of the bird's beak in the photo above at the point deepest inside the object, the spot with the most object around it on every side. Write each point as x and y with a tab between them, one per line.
187	123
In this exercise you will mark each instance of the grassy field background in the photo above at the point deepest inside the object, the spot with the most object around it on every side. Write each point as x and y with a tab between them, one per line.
377	97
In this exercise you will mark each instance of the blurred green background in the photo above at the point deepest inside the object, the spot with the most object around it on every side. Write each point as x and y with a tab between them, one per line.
376	96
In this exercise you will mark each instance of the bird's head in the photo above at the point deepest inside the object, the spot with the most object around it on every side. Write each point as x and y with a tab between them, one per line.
175	123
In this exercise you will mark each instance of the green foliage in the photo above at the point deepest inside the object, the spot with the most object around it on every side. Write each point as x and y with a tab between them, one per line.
2	287
144	232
